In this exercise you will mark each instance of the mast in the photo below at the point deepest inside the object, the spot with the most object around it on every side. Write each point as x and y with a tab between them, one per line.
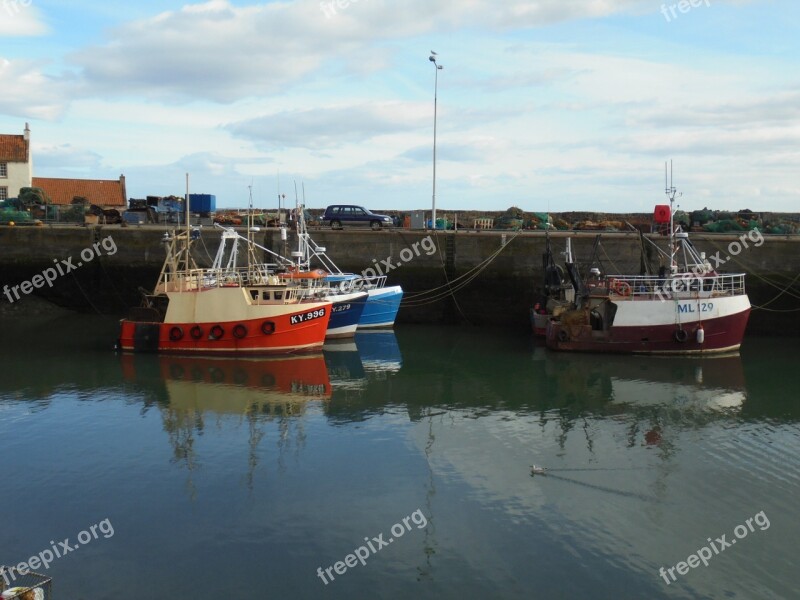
188	226
669	190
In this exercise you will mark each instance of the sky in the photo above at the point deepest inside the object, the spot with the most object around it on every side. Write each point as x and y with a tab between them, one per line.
548	105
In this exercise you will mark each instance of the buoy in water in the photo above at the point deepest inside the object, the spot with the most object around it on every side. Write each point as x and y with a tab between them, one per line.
538	470
701	334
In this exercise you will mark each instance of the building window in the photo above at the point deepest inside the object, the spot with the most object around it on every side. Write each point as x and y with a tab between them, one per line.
3	193
3	169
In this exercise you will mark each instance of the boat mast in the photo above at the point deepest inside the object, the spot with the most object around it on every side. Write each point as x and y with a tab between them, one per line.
188	226
670	191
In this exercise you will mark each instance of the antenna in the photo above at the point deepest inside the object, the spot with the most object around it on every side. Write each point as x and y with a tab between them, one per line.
671	192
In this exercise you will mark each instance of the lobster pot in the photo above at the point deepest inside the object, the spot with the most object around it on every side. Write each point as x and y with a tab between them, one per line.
30	586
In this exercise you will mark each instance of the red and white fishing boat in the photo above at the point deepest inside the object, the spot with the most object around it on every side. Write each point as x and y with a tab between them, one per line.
687	308
224	309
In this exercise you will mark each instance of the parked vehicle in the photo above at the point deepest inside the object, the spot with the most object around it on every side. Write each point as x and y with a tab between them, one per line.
338	215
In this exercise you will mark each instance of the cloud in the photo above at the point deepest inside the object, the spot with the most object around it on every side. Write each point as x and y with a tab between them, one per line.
331	127
65	156
19	19
27	92
220	52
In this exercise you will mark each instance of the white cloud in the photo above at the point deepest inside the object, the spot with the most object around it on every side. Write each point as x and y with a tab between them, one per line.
220	52
19	18
27	92
331	127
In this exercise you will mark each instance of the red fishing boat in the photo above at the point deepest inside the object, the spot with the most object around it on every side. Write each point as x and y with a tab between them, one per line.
686	308
224	309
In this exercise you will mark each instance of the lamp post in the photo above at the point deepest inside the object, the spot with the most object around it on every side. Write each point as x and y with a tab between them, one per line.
437	67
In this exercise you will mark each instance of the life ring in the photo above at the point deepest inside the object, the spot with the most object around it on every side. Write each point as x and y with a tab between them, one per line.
176	334
681	335
563	336
217	332
196	332
623	288
268	327
239	331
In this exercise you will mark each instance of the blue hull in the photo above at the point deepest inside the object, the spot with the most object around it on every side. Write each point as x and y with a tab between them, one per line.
382	306
346	316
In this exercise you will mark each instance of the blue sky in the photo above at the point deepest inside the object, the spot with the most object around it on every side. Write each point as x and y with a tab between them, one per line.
552	105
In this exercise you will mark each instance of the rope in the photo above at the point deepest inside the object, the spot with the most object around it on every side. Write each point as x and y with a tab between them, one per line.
444	270
433	295
761	277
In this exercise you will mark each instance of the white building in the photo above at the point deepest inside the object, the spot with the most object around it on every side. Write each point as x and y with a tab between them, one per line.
16	163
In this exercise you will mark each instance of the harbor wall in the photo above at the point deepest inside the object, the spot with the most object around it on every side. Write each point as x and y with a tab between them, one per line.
494	276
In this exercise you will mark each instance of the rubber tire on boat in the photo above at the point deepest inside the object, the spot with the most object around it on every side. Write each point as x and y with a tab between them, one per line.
196	332
216	332
681	335
268	327
176	334
563	336
239	331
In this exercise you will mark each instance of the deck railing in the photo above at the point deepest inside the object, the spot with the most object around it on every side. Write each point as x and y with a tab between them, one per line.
682	285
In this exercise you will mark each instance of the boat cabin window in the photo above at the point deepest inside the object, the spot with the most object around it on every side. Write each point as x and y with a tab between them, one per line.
278	295
254	294
265	295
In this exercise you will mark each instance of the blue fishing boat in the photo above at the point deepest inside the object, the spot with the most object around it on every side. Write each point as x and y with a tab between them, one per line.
383	302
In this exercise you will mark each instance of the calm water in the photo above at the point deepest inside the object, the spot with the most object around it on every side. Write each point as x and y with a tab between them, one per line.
240	478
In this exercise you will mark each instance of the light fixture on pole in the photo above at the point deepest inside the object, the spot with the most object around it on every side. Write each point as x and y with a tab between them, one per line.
438	67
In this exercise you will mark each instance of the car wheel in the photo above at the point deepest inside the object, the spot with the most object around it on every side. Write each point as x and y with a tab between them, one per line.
336	225
375	225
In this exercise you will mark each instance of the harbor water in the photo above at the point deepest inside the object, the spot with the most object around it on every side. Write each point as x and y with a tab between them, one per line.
398	465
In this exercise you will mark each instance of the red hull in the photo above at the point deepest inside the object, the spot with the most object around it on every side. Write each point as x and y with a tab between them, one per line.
722	334
254	336
293	376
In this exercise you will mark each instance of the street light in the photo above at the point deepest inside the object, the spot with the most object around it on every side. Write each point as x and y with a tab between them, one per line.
438	67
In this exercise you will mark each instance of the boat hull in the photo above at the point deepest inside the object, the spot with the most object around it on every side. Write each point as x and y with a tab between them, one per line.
301	328
632	334
345	315
381	307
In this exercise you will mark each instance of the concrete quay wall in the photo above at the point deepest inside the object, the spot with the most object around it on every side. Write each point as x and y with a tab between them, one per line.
495	276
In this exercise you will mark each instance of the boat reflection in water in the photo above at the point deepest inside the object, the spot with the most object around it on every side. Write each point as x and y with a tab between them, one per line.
370	356
379	352
687	384
268	395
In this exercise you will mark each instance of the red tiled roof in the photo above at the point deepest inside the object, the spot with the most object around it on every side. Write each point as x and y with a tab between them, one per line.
102	192
13	148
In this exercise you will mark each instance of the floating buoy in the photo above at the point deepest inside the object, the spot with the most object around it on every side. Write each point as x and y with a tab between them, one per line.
701	334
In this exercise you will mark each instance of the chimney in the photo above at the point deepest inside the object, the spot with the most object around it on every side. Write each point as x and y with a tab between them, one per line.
124	192
27	133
